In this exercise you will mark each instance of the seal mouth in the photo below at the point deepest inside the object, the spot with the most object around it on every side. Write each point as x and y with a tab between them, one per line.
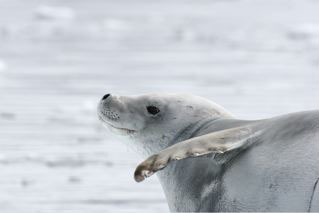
119	130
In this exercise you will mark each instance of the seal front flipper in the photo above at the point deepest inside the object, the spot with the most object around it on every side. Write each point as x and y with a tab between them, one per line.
216	142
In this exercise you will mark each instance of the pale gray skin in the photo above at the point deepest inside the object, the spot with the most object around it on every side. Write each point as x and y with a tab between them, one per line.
264	165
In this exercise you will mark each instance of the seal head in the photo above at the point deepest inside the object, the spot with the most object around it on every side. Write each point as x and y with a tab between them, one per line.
156	120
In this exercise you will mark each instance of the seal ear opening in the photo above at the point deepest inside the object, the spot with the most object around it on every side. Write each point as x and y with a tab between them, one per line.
213	143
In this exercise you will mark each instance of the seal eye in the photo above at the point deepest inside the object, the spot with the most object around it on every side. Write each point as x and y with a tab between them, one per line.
153	110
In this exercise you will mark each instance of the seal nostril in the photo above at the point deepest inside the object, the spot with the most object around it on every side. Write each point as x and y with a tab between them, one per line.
105	96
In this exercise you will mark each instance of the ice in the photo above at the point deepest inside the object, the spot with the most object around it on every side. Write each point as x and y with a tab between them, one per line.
3	65
305	31
256	58
115	24
45	12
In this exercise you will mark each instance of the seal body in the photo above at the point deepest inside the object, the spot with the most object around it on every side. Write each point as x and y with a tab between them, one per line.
278	172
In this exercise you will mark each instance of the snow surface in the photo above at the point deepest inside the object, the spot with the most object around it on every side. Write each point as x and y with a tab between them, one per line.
58	58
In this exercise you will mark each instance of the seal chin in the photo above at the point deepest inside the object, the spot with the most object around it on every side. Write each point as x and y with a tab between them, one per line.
117	130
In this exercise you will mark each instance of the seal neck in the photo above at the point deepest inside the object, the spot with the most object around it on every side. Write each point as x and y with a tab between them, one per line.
182	181
193	130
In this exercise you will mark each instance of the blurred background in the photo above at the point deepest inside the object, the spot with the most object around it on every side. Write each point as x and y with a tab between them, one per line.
59	57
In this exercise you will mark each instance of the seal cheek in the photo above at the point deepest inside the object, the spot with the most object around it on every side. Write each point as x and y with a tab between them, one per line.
136	121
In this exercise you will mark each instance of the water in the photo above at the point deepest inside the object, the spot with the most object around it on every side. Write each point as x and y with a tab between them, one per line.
58	58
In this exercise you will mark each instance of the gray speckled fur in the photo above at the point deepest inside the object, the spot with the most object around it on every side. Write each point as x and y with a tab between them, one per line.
279	172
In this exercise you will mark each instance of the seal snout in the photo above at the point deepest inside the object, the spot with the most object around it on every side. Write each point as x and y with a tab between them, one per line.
107	108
